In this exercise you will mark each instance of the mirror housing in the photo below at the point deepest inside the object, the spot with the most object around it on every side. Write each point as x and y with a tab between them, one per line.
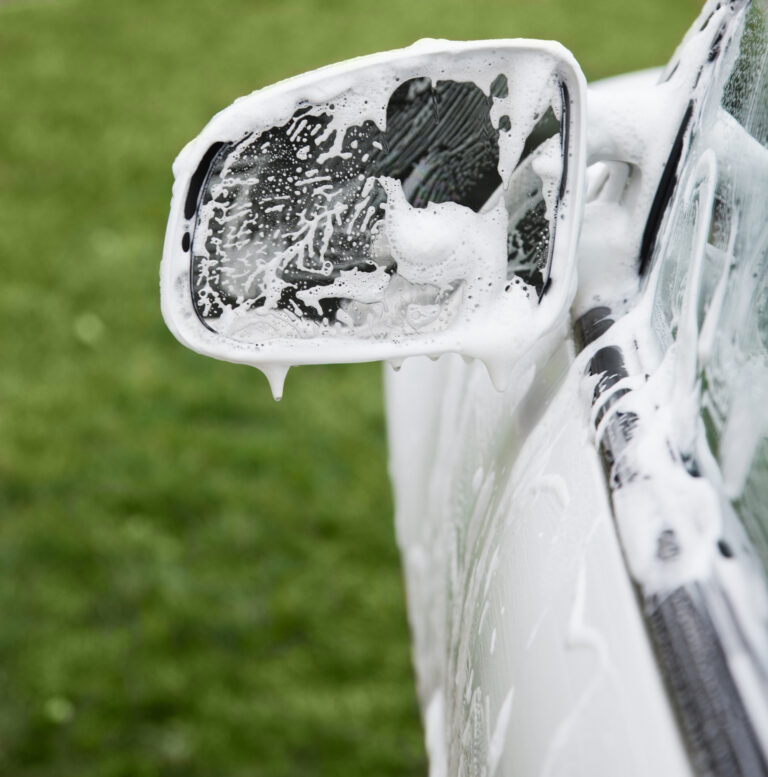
415	202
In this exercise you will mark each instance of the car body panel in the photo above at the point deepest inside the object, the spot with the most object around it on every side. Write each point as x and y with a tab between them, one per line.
705	614
529	646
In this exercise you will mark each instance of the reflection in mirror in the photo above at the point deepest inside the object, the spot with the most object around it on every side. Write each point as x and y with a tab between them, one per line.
329	224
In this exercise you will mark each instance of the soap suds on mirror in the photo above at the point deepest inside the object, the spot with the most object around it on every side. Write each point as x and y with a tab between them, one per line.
412	201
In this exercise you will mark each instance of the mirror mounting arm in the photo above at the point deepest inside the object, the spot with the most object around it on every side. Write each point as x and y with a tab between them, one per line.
623	124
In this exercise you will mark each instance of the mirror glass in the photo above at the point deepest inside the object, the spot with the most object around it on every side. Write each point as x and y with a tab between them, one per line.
414	202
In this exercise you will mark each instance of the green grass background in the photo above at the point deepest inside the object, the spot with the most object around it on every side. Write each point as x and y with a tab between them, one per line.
193	579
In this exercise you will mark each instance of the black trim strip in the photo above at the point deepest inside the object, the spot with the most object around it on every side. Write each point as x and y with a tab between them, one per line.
565	123
565	131
196	185
198	178
666	188
719	732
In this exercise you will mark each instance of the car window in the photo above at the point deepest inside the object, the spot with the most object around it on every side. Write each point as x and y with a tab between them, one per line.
716	231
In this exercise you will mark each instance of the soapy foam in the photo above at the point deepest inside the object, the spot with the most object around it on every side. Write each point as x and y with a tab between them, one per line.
267	244
328	246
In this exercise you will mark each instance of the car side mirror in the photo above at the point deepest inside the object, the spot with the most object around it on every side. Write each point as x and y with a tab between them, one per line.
415	202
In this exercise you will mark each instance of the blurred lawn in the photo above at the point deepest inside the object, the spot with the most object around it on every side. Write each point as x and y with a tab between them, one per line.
194	580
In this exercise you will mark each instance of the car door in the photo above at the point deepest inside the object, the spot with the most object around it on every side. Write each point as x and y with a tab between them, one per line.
599	528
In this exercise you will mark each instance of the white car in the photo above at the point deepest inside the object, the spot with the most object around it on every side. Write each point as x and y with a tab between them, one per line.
571	285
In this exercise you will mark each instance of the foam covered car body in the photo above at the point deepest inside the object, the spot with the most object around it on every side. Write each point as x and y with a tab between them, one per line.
580	476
